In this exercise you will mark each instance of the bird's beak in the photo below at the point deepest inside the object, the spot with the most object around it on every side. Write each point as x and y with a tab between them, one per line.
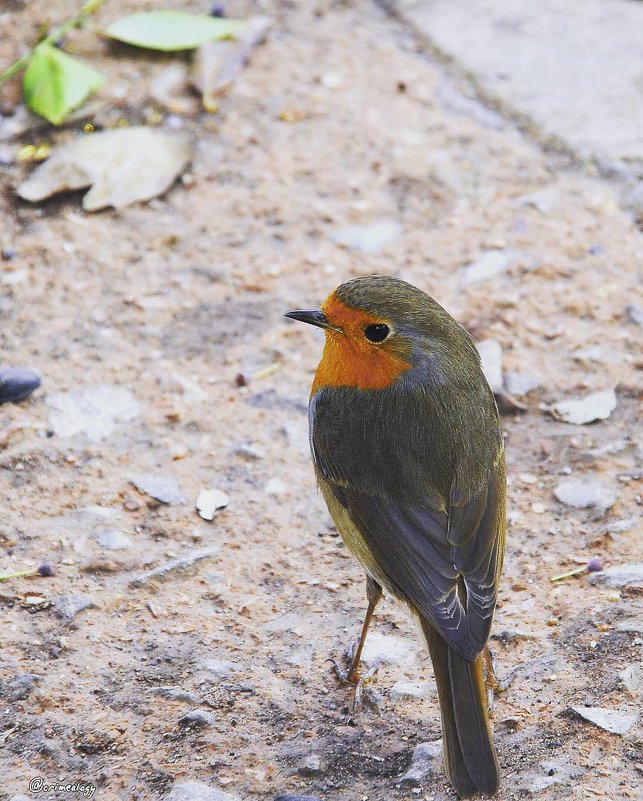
314	317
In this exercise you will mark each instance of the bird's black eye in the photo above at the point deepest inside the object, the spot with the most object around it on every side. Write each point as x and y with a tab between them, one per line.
376	332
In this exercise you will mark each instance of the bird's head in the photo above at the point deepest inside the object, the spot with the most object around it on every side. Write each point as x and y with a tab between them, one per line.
378	328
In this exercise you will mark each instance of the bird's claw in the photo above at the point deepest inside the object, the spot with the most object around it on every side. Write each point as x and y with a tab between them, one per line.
362	695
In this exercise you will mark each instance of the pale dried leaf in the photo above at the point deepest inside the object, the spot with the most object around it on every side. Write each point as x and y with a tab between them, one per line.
122	167
217	64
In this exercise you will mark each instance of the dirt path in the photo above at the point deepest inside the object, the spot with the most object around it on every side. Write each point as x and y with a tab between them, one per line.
339	121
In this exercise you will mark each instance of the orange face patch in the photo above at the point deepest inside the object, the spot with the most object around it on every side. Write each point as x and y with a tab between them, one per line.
349	359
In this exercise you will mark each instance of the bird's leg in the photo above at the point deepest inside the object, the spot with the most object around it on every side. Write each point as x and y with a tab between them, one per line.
373	594
492	683
352	675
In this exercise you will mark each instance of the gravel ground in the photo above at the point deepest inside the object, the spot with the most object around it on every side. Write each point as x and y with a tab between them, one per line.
167	651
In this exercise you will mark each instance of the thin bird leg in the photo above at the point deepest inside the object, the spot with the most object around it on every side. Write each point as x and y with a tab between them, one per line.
373	594
492	683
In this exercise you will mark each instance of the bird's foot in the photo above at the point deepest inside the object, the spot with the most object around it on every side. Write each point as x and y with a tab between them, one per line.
362	694
493	684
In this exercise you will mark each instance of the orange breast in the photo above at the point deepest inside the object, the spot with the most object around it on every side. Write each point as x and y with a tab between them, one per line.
349	359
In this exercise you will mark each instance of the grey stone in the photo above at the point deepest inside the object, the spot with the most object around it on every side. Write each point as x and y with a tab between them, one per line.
164	488
298	659
94	412
311	765
615	721
425	763
625	524
16	383
247	451
297	798
197	718
18	688
520	384
182	563
175	694
387	649
635	312
198	791
67	607
548	774
632	626
580	411
620	576
371	239
408	689
219	668
584	492
111	539
489	265
632	678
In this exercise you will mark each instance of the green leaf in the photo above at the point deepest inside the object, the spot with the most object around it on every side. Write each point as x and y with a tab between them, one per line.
166	29
54	83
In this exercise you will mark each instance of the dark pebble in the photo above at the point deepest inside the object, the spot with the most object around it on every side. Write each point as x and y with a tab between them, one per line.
298	798
17	383
45	570
8	253
217	10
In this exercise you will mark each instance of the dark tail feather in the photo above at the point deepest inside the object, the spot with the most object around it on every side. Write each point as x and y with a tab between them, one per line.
469	755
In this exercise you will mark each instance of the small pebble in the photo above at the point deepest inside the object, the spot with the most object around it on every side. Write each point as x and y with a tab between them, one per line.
197	791
632	678
175	694
112	539
297	798
585	492
163	488
275	487
620	576
425	763
612	720
402	690
580	411
197	718
311	765
382	649
17	383
19	688
67	607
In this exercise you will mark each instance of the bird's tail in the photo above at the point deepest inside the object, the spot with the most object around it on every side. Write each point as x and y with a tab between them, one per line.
469	753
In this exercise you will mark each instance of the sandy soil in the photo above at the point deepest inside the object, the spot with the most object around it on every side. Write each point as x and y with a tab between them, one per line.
339	120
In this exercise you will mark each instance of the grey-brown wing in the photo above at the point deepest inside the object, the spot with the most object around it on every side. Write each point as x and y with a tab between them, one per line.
430	556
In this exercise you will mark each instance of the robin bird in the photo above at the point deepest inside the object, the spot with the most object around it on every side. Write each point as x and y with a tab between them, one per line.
409	457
